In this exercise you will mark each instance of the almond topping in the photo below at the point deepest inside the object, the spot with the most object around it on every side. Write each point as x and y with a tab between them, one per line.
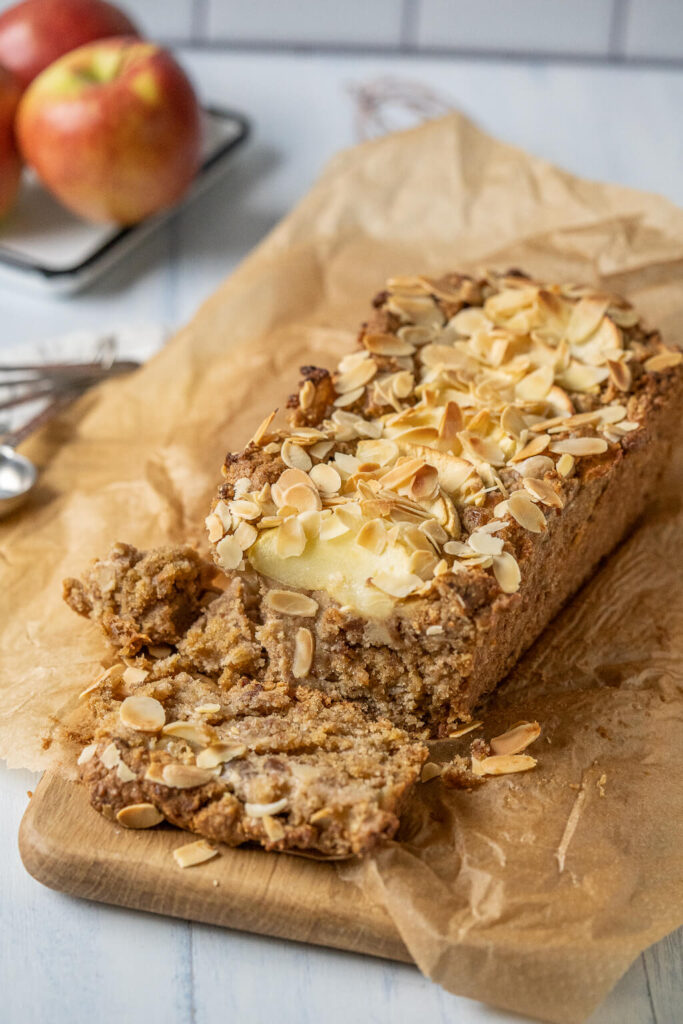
273	828
565	464
387	345
396	584
87	753
110	756
193	732
260	810
430	771
463	730
229	553
503	764
534	447
124	773
543	492
133	676
517	739
326	478
373	536
485	543
294	456
579	446
663	361
186	776
144	714
219	753
506	571
245	535
302	497
291	538
290	602
303	653
621	375
139	816
529	516
214	528
262	429
194	853
306	395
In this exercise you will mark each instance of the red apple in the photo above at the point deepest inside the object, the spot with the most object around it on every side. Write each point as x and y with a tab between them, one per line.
113	129
35	33
10	163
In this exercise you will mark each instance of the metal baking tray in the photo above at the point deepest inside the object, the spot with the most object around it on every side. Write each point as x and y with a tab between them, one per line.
45	247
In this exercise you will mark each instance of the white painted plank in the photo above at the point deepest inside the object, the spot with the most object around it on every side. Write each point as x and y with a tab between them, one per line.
307	21
664	970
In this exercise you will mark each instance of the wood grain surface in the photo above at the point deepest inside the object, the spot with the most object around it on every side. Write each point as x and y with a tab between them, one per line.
68	846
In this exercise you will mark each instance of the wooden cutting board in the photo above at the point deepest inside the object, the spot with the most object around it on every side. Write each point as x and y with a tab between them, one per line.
67	845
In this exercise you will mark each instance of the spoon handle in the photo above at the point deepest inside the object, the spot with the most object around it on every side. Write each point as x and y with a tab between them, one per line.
61	401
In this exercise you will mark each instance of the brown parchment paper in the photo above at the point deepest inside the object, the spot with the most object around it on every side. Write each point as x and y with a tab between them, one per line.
534	892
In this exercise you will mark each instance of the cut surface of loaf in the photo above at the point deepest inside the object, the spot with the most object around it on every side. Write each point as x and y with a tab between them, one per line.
177	732
435	501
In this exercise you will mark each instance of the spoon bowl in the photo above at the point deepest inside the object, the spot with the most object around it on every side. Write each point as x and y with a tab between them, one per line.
18	477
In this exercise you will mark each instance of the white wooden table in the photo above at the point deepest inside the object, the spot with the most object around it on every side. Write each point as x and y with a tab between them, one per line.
63	960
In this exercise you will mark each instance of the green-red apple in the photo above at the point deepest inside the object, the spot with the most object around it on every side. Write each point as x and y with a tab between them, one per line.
10	163
112	129
35	33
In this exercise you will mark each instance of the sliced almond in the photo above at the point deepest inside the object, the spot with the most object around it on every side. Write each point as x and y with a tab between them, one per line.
245	535
507	572
294	456
291	538
396	584
544	492
214	528
425	484
525	512
585	318
194	732
451	422
220	753
321	449
194	853
144	714
273	828
87	753
536	385
517	739
302	497
290	602
208	709
536	467
134	676
463	730
303	653
373	536
139	816
565	465
263	428
306	395
485	543
579	446
260	810
326	478
124	773
387	345
186	776
243	508
430	771
503	764
620	374
110	756
229	553
663	361
534	447
356	378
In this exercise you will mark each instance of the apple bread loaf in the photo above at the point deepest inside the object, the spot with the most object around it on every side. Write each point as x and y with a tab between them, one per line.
435	501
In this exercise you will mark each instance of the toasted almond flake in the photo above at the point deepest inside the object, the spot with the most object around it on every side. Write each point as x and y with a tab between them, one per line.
326	478
512	421
544	492
503	764
87	753
229	553
435	630
482	448
144	714
522	509
160	651
223	512
469	321
260	810
402	383
242	486
302	497
208	709
463	730
579	446
124	773
290	602
322	815
401	474
133	676
373	536
396	584
321	449
663	361
291	539
273	828
194	732
220	753
507	573
214	528
579	377
190	854
306	395
423	563
536	467
485	543
517	739
565	464
332	528
242	508
387	345
110	756
585	318
356	378
109	675
346	464
262	429
380	451
185	776
535	446
348	398
294	456
536	385
139	816
430	771
245	535
425	484
451	422
303	653
620	374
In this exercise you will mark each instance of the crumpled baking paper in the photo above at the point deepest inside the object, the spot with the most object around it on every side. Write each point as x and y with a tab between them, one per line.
534	892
